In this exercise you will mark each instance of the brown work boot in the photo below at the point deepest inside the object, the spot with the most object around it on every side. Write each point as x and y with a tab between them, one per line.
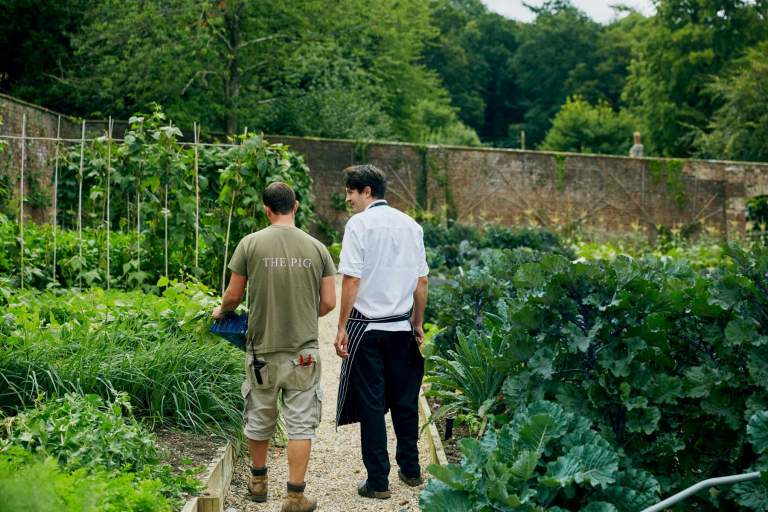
257	486
366	491
295	501
410	481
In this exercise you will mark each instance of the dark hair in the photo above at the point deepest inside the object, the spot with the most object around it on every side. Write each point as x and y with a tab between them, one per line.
279	197
366	175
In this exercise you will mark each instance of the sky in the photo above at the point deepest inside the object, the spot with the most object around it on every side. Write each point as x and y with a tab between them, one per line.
599	11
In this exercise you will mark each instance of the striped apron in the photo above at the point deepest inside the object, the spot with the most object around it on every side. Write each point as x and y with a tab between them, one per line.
346	408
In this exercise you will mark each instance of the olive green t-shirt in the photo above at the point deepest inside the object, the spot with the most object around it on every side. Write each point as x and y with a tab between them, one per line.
284	266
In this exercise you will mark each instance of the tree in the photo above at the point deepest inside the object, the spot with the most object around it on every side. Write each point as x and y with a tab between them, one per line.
687	43
613	55
560	42
583	128
739	127
35	44
342	69
211	61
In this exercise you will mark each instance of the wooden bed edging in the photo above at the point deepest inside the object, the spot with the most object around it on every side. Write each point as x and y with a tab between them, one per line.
216	479
436	451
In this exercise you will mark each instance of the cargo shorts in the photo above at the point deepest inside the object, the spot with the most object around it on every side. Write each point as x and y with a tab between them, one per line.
287	377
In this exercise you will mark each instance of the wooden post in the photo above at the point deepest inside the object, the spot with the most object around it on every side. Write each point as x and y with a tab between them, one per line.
80	205
109	173
21	191
210	501
522	139
56	192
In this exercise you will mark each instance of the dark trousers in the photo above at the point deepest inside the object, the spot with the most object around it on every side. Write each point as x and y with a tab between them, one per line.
386	374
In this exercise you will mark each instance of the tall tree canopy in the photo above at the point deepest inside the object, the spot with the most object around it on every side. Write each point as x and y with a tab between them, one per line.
687	43
556	48
442	71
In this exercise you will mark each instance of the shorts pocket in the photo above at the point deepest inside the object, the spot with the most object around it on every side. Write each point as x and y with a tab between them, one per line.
263	375
301	374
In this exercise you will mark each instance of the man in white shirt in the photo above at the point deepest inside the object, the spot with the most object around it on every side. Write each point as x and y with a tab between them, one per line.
383	296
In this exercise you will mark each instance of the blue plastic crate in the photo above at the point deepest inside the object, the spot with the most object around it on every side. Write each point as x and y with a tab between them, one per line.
233	328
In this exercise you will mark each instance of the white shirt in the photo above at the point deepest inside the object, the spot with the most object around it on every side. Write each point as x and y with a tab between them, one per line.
384	248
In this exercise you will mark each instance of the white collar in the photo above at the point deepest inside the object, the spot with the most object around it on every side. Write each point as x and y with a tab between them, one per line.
377	202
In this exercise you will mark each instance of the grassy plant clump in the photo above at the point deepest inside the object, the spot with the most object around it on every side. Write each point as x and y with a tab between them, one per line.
154	349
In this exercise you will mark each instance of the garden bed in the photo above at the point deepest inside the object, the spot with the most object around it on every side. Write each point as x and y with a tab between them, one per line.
460	431
183	450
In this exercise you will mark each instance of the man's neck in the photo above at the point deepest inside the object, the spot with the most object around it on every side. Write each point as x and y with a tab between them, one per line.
283	220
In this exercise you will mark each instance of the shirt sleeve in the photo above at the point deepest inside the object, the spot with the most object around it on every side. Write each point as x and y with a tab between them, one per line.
422	254
352	250
239	261
329	268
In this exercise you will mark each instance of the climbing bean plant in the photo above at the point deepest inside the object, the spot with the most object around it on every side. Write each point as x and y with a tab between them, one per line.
153	199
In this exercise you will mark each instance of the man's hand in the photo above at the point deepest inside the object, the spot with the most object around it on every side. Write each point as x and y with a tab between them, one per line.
217	314
418	330
341	343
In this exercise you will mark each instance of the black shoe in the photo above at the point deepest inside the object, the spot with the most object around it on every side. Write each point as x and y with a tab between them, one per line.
411	482
366	492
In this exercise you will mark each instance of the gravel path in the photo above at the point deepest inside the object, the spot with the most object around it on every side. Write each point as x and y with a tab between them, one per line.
335	466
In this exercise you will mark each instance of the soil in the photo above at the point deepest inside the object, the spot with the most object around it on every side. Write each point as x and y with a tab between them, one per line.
450	446
177	447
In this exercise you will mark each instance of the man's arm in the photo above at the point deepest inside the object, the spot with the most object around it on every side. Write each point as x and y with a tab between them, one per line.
419	305
349	287
232	296
327	295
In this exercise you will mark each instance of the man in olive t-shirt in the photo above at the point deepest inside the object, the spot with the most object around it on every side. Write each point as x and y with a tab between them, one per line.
291	283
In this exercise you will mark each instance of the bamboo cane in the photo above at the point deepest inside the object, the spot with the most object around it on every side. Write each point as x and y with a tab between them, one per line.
80	207
109	173
196	129
21	191
56	192
226	243
165	218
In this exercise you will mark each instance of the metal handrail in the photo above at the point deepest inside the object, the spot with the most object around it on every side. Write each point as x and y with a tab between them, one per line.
710	482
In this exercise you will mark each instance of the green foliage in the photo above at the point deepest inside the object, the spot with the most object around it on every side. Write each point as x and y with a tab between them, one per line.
543	458
460	244
738	128
82	432
677	54
441	126
335	250
704	254
156	349
757	218
351	69
667	363
583	128
757	430
470	52
149	170
31	484
559	44
97	442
